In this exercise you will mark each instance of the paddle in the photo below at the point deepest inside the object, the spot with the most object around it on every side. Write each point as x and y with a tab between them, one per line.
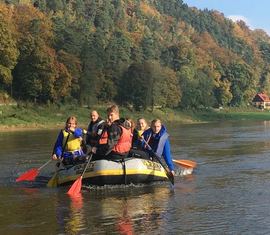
168	173
185	163
32	173
53	181
77	185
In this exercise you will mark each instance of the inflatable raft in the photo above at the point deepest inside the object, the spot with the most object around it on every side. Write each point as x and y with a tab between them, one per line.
111	172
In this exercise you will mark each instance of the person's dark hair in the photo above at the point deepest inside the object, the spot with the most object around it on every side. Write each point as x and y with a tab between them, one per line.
155	121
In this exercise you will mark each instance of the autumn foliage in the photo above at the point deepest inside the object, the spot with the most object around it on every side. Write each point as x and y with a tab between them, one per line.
149	53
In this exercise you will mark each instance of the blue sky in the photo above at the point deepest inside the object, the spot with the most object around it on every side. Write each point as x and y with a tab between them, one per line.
256	13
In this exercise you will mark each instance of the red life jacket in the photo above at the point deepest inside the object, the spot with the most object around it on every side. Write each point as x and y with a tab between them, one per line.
104	137
124	143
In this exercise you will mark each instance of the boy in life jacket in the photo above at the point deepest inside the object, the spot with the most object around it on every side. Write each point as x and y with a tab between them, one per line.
158	139
116	138
67	147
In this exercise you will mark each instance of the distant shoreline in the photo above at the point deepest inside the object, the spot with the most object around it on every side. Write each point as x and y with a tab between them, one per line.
13	128
31	117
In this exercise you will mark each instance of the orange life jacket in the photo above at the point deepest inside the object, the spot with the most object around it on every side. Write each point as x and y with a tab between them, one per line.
124	143
104	137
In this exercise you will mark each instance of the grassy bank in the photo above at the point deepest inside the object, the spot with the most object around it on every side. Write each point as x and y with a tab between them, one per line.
233	114
50	116
33	116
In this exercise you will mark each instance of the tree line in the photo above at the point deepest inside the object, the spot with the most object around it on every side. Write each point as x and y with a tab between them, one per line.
139	53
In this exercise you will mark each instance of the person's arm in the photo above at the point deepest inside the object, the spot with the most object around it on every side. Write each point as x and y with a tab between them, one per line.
167	155
114	134
145	135
58	149
100	129
95	135
88	135
135	139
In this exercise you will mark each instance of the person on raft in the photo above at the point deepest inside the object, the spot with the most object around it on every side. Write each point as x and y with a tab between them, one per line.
95	129
141	126
158	139
68	146
115	141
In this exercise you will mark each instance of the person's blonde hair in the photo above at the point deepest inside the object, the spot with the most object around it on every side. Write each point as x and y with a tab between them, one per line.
71	118
113	109
94	111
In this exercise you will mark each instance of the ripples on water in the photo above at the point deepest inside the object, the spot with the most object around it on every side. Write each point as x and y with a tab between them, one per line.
229	192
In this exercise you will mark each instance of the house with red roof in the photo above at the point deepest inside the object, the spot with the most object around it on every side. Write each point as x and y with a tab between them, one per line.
261	100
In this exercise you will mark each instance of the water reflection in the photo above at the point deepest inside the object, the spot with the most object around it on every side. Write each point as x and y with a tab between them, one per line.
70	214
123	210
25	211
125	223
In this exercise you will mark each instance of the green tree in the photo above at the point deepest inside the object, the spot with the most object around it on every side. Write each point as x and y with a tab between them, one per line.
92	75
148	47
265	81
165	87
178	55
118	53
134	86
223	93
56	5
197	88
37	70
8	47
242	82
74	68
155	86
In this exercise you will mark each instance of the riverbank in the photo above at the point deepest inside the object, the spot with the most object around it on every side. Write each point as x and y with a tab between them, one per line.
30	116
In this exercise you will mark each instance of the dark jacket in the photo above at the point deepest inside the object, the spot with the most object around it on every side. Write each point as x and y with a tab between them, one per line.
114	132
136	141
94	132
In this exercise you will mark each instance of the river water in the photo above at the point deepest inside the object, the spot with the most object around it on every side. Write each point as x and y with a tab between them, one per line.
228	193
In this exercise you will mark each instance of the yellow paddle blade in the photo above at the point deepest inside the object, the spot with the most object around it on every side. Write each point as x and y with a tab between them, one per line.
53	182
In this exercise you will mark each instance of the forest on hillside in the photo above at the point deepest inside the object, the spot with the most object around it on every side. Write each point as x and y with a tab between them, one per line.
139	53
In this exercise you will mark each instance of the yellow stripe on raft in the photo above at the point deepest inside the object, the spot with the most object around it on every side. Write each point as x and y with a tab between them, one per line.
114	172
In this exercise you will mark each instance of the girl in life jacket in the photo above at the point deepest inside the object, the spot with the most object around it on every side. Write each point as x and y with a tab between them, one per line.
68	144
137	133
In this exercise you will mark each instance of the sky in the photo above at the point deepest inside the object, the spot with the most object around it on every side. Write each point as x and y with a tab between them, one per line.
256	13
